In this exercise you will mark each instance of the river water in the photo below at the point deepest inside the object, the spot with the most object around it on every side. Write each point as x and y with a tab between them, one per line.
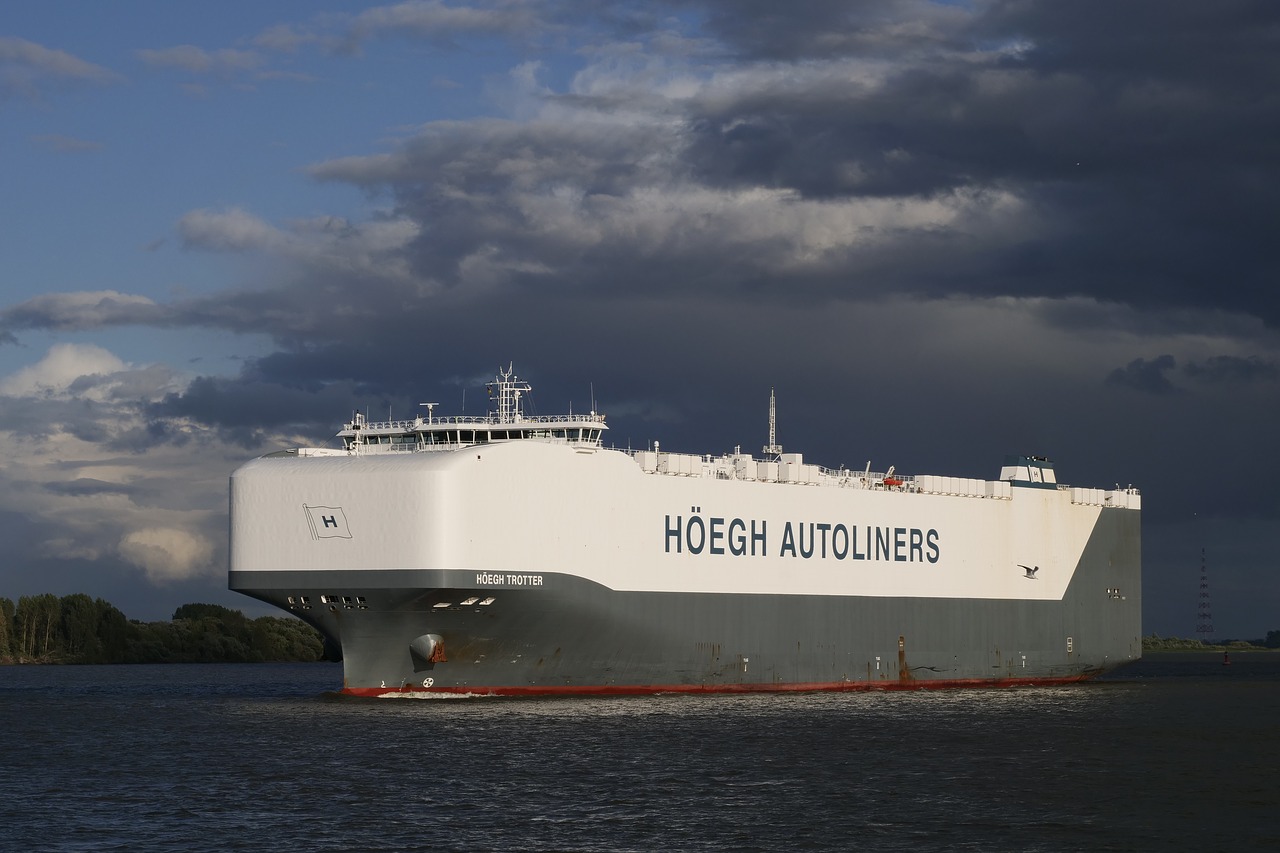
1173	753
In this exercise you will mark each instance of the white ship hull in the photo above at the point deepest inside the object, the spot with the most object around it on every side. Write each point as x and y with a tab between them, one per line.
544	567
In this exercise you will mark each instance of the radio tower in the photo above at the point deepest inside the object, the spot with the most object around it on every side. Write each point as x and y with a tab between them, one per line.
1204	617
773	449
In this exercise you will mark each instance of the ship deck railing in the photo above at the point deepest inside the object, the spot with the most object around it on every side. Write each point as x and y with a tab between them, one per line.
743	467
420	424
375	447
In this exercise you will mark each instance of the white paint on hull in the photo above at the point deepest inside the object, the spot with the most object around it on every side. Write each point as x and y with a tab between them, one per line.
530	507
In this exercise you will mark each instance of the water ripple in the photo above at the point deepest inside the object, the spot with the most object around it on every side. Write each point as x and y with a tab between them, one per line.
261	758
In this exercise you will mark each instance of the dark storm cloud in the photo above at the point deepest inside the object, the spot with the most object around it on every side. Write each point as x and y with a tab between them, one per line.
142	491
469	186
1232	369
252	408
1140	133
1128	149
810	29
1153	376
1141	182
85	486
78	311
276	312
1143	375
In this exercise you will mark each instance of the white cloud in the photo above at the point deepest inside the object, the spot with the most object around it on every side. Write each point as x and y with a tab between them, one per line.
167	553
197	60
321	245
232	230
284	38
25	66
98	476
432	19
61	367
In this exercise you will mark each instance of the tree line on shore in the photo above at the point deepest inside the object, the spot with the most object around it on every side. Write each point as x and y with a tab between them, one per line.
79	629
1155	643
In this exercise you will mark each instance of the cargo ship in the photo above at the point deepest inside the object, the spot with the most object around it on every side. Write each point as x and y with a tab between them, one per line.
518	554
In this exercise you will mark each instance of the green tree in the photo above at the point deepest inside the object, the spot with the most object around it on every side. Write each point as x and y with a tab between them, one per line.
78	629
206	611
79	622
280	638
24	623
37	619
113	632
7	638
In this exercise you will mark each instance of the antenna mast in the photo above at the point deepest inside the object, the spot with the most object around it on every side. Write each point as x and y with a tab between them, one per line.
773	448
1204	615
510	390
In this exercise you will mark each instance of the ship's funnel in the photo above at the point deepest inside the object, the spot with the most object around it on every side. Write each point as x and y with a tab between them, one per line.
427	650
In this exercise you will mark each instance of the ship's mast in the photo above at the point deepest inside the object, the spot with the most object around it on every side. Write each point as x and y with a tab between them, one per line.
510	389
773	448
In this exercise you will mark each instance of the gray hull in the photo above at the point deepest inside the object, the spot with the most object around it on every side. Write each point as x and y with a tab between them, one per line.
570	635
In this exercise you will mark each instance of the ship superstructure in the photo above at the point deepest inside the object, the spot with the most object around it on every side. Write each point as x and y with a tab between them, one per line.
506	422
514	554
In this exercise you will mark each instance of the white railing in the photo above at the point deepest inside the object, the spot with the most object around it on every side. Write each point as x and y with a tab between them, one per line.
745	468
728	468
470	420
362	447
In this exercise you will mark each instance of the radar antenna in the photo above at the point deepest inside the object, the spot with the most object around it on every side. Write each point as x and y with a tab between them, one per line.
510	389
773	448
